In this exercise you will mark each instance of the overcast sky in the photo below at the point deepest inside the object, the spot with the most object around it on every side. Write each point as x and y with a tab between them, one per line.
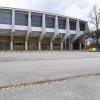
73	8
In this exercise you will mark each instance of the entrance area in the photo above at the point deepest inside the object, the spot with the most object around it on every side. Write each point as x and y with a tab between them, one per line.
19	43
56	44
33	43
45	44
4	43
76	45
66	45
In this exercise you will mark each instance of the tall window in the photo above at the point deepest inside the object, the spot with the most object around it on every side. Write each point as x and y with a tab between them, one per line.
5	17
62	23
72	24
50	22
21	19
82	26
36	21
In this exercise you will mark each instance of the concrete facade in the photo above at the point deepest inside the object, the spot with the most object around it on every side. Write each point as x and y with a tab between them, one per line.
50	32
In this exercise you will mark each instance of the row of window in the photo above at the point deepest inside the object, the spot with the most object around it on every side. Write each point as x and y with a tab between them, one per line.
36	21
5	17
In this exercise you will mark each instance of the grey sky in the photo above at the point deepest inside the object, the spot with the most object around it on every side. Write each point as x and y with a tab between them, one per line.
73	8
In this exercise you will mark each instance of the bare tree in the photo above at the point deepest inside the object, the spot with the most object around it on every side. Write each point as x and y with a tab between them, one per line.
94	17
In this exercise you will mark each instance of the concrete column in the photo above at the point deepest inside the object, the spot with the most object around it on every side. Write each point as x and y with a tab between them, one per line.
61	42
11	45
39	45
13	29
67	29
29	30
69	43
43	26
65	44
51	45
71	46
56	28
11	41
56	24
80	46
13	20
78	27
67	25
29	21
26	46
61	45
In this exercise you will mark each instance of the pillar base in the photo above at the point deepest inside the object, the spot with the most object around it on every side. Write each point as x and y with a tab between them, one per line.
26	47
61	45
80	46
11	45
39	45
51	45
71	48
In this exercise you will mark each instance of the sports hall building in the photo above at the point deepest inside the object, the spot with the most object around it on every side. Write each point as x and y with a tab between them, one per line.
22	29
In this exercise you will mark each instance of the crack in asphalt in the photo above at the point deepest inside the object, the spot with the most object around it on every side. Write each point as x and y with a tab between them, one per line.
69	78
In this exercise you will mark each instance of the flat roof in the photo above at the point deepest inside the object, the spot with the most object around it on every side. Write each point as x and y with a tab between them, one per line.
34	11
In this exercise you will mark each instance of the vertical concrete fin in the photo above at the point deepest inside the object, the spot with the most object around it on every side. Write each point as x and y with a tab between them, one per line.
56	28
13	20
67	34
29	21
43	26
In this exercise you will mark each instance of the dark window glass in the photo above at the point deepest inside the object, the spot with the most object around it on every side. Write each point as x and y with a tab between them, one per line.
5	17
82	26
50	22
21	19
61	23
72	25
36	21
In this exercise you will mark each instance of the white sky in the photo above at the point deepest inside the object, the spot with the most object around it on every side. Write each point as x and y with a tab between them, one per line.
73	8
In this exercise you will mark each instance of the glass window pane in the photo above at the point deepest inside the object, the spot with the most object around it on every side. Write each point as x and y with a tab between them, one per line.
50	22
5	17
21	19
82	26
36	21
72	24
62	23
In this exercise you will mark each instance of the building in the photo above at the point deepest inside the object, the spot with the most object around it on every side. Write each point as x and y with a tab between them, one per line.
22	29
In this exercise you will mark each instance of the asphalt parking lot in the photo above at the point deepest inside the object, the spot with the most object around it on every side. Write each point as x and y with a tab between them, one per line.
18	68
